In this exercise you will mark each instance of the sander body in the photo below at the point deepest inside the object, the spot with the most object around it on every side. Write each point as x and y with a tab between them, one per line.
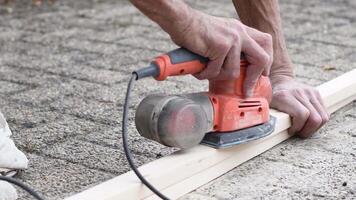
220	117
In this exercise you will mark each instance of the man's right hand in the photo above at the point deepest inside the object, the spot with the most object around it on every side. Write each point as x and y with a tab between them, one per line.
222	40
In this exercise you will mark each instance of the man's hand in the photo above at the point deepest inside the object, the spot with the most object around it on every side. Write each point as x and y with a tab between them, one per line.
222	40
303	103
300	101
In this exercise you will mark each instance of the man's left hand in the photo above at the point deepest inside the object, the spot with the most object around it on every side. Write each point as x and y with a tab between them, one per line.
302	102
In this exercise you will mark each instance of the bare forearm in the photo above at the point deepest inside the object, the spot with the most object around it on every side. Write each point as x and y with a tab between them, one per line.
264	15
217	38
172	15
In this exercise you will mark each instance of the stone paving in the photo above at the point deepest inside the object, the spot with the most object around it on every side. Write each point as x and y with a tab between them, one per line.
63	73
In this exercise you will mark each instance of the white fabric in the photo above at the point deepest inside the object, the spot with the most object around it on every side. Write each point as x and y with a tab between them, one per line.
7	191
10	156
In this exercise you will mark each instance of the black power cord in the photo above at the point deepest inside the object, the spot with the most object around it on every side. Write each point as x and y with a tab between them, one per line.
134	77
22	186
145	72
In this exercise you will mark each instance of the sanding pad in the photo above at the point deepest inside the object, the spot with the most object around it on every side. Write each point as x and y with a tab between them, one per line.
227	139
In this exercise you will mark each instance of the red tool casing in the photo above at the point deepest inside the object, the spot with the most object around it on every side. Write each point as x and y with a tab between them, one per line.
232	111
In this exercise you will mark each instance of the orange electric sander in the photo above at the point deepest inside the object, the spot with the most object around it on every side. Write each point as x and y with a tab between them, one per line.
220	117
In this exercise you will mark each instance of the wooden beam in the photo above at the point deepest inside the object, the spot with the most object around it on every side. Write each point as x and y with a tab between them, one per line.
184	171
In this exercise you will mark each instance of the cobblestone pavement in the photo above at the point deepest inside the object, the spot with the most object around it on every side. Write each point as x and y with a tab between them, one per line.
63	72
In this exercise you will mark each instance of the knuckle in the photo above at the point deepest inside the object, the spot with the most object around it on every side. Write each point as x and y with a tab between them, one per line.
268	37
297	125
306	91
316	119
298	92
325	119
223	45
282	94
309	91
264	59
236	37
251	79
304	113
233	73
249	83
265	40
294	92
214	72
238	25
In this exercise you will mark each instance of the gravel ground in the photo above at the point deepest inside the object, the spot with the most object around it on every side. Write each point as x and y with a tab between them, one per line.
63	73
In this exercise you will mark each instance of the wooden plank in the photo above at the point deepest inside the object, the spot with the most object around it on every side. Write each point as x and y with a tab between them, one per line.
221	168
184	171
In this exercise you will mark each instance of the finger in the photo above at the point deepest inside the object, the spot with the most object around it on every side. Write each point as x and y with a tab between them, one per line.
231	66
321	101
258	59
293	107
318	105
314	121
212	70
266	42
